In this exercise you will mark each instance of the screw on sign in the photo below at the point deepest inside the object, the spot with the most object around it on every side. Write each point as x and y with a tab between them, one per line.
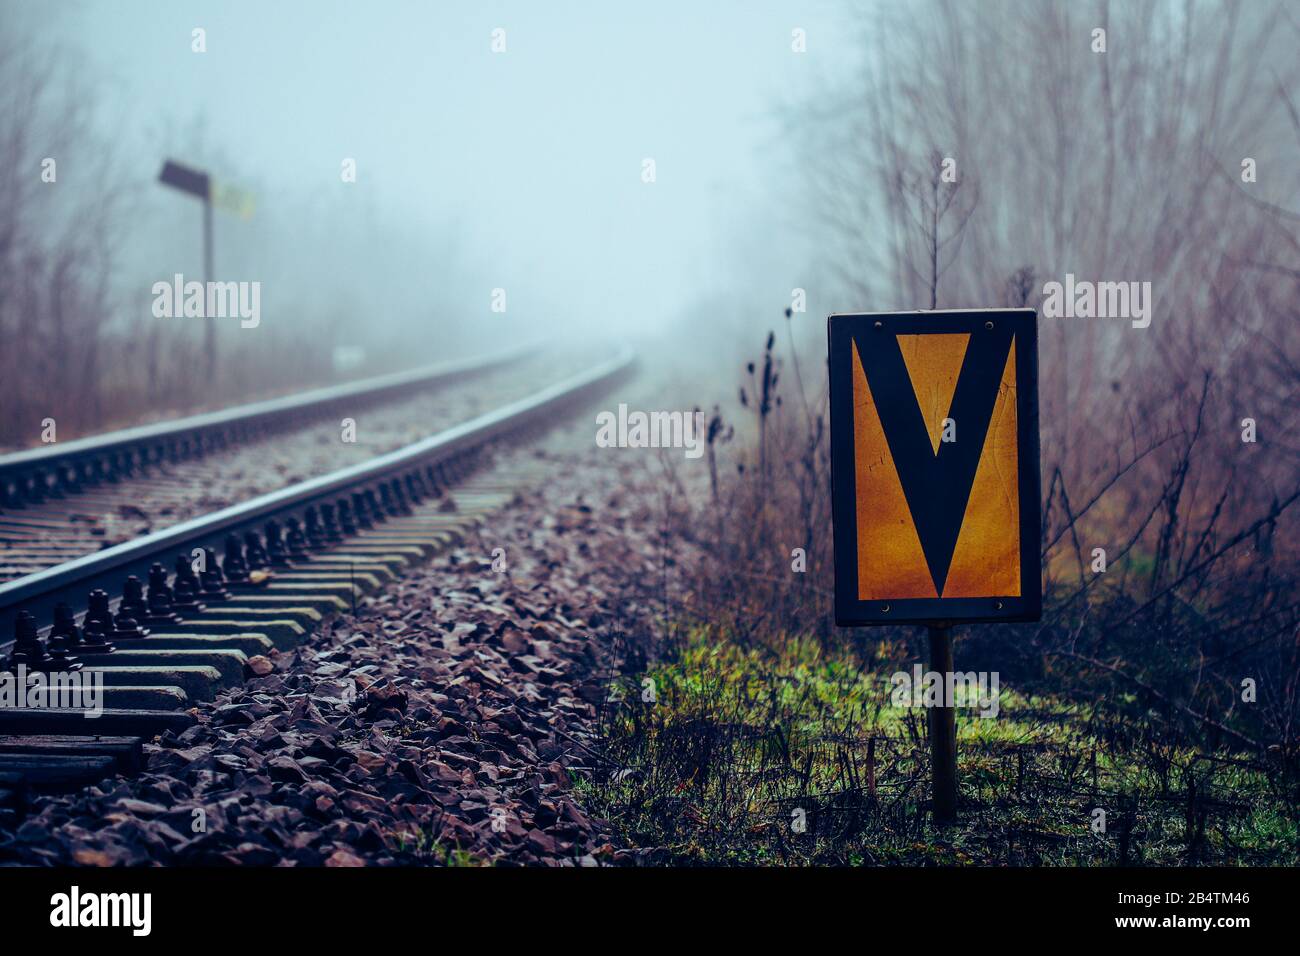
935	482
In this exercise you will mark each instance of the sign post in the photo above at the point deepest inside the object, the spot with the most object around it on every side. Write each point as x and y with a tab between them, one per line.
935	483
199	184
943	733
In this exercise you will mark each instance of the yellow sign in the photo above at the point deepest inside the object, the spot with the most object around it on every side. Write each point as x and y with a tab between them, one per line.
233	200
934	439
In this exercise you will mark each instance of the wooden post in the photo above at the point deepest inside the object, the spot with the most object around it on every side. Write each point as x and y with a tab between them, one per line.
943	732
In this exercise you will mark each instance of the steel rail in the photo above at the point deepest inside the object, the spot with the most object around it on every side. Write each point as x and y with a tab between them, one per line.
28	473
107	569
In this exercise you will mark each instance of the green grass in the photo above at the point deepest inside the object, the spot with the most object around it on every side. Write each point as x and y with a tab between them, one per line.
737	742
422	848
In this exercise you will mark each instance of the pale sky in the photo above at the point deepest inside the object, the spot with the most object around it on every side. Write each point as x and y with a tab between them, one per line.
524	166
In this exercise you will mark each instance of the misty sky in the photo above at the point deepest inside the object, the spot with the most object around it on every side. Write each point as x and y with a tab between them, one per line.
527	163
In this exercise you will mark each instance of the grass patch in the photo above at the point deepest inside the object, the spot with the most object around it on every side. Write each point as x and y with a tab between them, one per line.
422	848
792	753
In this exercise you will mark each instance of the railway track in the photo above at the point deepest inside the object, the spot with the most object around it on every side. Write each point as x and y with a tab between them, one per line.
61	501
172	617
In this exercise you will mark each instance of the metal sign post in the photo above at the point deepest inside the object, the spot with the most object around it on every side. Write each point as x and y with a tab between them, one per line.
935	483
943	733
199	184
210	327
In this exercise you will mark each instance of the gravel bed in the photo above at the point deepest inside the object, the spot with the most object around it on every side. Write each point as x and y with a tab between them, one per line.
444	724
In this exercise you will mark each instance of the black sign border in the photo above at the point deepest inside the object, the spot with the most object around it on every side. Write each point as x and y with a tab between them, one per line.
842	330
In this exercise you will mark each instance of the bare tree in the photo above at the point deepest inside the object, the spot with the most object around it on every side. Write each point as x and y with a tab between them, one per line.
1150	142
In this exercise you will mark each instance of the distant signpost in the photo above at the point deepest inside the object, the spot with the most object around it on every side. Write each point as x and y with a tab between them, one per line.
935	473
200	184
186	179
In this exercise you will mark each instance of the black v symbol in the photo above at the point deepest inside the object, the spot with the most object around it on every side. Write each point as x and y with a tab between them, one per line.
937	487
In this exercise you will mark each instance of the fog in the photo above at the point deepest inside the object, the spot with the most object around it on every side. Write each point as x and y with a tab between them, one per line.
503	190
476	170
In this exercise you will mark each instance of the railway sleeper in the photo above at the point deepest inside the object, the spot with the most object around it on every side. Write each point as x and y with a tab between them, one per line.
113	721
127	752
190	649
57	773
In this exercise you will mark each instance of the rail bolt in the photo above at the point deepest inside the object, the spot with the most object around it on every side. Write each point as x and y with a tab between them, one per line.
28	649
